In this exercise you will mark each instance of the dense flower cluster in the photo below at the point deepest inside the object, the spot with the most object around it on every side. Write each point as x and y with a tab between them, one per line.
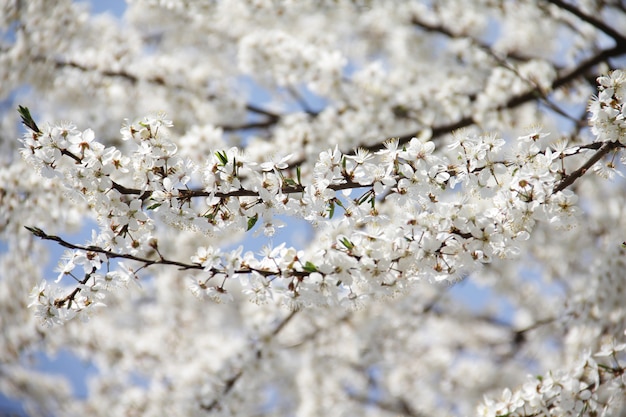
371	249
357	207
608	114
591	387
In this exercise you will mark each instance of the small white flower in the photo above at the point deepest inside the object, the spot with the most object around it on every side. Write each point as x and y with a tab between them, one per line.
276	165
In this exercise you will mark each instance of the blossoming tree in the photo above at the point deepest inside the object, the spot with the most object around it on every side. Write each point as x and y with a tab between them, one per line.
419	149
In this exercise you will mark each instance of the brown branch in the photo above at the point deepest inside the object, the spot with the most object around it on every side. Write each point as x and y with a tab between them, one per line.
161	261
69	299
486	48
437	131
515	101
283	323
229	383
272	118
187	194
193	193
116	186
249	126
398	406
254	109
110	254
481	45
599	154
598	24
580	70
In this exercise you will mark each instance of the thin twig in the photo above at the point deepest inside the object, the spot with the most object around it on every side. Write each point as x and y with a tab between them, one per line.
600	153
272	118
617	37
161	261
516	101
110	254
229	384
398	406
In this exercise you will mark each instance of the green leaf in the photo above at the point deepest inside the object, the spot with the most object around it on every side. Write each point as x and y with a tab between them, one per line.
298	174
222	156
345	242
310	267
27	119
291	182
363	198
153	206
252	221
331	209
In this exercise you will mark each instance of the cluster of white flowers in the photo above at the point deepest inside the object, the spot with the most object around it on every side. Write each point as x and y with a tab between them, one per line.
289	61
591	387
432	269
608	113
390	216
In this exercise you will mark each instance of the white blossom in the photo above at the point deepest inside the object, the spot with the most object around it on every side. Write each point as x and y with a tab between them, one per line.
437	185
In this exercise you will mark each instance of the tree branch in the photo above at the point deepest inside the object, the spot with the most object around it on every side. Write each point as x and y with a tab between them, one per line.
229	384
161	261
600	153
272	118
448	33
399	406
515	101
617	37
110	254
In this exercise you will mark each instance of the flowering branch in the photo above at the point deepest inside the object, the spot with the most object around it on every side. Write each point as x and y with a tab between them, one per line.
110	254
440	28
604	149
235	189
617	37
437	131
272	117
583	390
436	268
518	100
